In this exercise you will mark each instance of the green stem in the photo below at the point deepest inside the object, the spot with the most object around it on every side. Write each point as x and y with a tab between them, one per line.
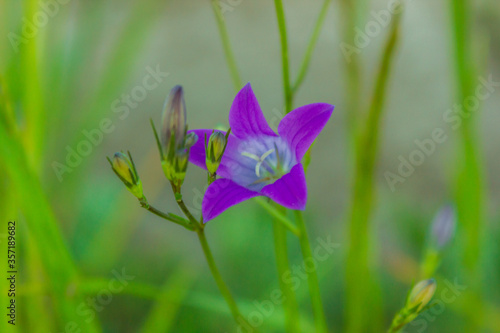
310	48
290	304
359	283
183	207
228	52
470	178
278	216
312	278
167	216
32	96
284	56
353	71
240	320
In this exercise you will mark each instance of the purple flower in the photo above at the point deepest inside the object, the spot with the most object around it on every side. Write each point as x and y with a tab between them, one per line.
443	226
257	162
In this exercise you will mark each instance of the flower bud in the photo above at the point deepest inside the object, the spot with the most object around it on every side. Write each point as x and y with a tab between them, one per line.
124	168
214	151
174	120
191	139
421	295
176	171
443	227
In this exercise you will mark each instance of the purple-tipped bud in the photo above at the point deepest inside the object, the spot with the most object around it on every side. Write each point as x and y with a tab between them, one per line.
443	227
174	120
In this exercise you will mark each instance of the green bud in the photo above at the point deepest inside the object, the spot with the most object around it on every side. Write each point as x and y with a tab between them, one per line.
124	168
174	120
175	169
191	139
421	295
214	151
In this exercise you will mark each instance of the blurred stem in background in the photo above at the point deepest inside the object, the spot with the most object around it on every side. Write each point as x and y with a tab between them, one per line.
312	278
353	70
228	52
361	310
469	181
280	239
290	304
32	97
280	242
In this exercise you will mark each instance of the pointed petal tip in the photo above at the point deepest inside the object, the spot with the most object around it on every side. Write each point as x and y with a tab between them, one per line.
290	190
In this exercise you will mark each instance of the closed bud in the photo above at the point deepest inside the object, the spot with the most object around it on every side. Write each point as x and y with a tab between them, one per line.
174	121
214	151
443	227
421	295
124	168
191	139
175	170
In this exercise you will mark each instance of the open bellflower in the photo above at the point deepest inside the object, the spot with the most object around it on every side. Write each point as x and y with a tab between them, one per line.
257	161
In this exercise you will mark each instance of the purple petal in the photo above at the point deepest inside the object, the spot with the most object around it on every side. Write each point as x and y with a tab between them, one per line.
222	194
290	190
246	118
301	126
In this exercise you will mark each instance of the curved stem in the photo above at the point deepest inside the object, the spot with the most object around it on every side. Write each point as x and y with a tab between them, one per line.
360	309
284	55
290	304
310	48
228	52
220	282
312	276
167	216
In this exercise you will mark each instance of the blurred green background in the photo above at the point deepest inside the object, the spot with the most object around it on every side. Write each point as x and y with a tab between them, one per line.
81	63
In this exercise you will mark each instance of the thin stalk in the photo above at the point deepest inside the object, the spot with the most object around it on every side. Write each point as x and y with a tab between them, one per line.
32	96
226	44
240	320
290	304
169	217
470	178
312	276
359	283
310	47
352	70
183	207
280	14
200	231
279	217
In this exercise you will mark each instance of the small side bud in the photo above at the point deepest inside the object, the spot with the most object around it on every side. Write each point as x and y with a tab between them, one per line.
214	151
421	295
124	168
191	139
443	227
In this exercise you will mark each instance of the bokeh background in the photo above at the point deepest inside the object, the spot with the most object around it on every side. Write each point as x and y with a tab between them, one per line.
91	54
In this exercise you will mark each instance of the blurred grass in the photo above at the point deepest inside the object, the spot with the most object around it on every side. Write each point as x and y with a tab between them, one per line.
363	313
470	177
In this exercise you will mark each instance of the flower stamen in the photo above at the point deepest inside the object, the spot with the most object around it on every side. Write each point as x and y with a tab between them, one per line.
259	160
